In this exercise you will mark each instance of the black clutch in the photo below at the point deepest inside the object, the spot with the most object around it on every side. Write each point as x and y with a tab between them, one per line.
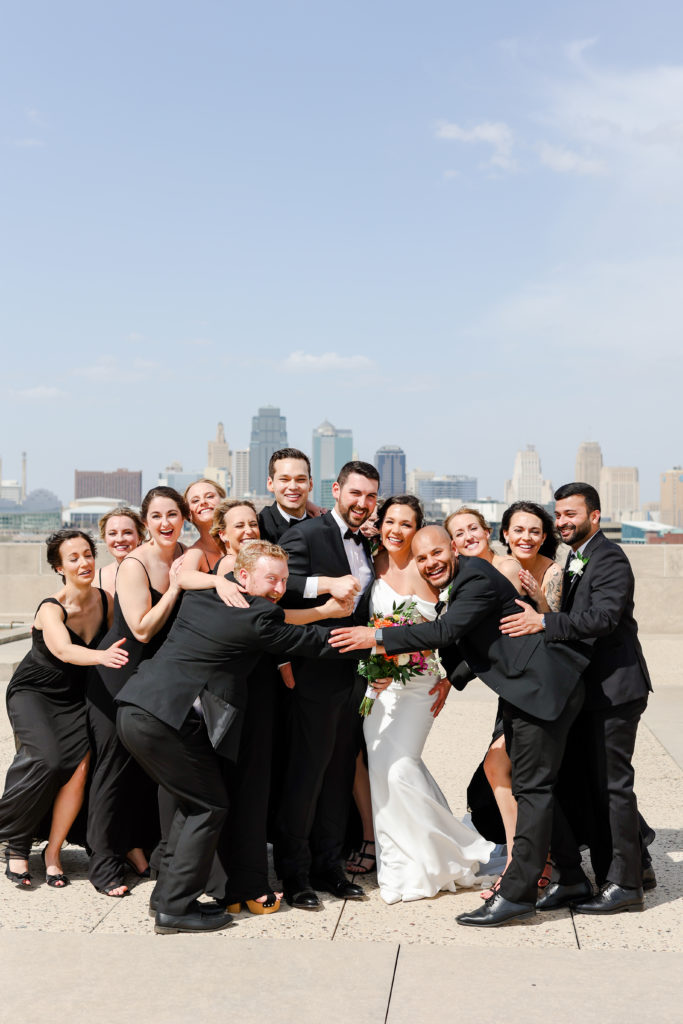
223	724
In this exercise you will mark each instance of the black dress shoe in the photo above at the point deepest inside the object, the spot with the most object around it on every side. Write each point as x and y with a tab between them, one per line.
496	911
612	899
298	893
197	907
557	895
335	881
649	878
169	924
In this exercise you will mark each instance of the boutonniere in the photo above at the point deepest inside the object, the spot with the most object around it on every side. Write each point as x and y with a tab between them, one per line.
577	565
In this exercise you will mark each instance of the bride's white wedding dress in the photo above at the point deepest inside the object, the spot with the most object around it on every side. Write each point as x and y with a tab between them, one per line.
421	848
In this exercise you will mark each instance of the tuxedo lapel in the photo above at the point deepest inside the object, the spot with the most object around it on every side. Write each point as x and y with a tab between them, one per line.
335	538
575	581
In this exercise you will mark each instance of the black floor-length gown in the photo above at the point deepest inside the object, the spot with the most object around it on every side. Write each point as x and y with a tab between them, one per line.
46	708
123	810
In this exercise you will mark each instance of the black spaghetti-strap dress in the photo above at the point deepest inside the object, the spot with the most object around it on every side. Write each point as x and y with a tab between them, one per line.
46	707
123	810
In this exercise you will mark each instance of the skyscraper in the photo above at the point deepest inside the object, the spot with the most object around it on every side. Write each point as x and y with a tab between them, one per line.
390	462
268	433
619	492
527	482
671	497
331	449
123	484
589	464
463	488
240	479
219	461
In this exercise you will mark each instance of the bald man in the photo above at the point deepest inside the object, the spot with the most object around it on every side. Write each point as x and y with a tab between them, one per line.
540	687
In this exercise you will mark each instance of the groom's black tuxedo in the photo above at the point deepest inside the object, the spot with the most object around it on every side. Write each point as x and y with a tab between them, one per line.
597	609
542	694
323	735
272	524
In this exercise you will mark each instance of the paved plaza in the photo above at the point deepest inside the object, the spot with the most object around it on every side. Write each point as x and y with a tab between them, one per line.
74	954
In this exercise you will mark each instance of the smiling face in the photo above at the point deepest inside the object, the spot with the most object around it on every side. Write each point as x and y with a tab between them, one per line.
164	521
291	484
434	556
398	528
575	523
77	562
355	499
239	524
469	536
202	499
121	536
267	578
524	536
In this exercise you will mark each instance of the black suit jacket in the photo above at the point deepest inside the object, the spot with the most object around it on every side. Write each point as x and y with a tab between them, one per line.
273	524
211	645
315	548
597	609
525	671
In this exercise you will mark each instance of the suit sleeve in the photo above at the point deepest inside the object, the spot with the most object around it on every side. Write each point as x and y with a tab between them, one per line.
278	637
611	588
299	562
475	599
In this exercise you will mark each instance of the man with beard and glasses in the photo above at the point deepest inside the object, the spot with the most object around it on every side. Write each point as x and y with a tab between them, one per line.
541	693
597	609
327	555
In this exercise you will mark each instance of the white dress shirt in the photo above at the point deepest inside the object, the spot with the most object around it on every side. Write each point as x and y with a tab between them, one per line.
359	565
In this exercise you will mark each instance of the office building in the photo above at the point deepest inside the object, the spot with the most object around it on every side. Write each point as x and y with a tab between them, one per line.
619	492
331	449
240	476
415	477
462	488
123	484
268	433
527	483
219	461
589	464
175	476
671	496
390	463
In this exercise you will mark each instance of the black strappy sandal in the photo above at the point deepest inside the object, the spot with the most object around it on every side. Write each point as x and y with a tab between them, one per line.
22	879
355	865
56	881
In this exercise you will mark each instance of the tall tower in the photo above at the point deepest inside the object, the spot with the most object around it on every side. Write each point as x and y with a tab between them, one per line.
619	492
589	464
268	433
331	449
390	462
219	461
527	482
671	496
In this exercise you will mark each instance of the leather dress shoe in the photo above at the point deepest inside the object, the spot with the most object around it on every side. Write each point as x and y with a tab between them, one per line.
558	895
612	899
169	924
335	881
496	911
649	878
196	907
298	893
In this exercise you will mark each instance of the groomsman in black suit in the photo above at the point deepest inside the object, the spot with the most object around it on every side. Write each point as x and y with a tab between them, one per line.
289	479
541	689
597	609
180	715
327	555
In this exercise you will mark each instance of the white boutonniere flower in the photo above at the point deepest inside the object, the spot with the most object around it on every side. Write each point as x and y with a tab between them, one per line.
403	659
577	565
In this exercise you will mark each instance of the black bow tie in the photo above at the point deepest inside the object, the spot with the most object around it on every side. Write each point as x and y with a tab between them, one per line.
439	607
357	538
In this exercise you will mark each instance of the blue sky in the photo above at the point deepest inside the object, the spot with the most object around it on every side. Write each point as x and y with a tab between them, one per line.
454	228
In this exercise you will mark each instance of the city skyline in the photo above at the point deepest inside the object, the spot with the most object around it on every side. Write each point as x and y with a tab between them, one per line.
468	245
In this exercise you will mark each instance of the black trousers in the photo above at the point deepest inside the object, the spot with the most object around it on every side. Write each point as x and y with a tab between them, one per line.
323	740
186	765
536	749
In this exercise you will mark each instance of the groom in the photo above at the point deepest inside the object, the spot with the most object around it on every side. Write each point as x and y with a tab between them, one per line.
541	689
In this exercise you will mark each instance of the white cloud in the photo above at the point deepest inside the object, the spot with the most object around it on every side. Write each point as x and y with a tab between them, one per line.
493	133
326	362
40	393
566	161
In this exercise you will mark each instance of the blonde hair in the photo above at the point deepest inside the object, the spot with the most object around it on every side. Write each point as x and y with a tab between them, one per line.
219	514
250	552
130	513
467	511
220	491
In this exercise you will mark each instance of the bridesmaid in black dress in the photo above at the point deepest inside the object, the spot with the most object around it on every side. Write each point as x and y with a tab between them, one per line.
46	707
122	531
123	820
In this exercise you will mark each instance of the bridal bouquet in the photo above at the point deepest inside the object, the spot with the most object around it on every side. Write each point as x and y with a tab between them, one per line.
397	667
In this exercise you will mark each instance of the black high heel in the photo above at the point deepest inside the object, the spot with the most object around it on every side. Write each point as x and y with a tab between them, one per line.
22	879
56	881
146	873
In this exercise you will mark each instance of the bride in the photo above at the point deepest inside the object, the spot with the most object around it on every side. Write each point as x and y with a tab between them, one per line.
421	848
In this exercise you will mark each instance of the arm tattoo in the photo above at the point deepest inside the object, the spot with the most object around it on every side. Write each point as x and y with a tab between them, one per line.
553	591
